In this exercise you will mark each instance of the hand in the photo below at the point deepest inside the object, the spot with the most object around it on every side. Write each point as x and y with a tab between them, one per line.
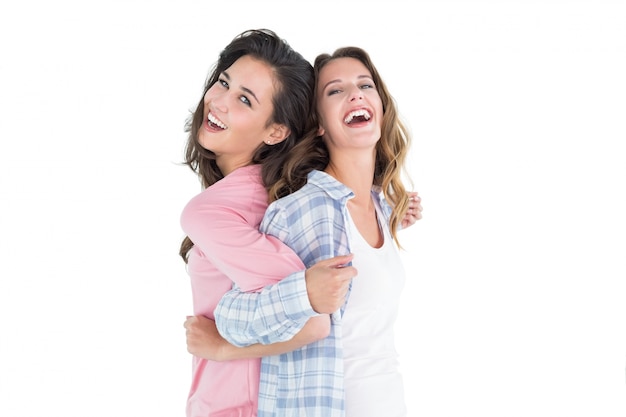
414	212
327	283
203	339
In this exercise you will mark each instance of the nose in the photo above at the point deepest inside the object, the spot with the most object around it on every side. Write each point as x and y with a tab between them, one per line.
220	102
217	97
356	94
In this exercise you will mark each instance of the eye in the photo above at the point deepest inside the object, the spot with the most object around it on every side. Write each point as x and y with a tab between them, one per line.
223	82
333	92
366	86
245	101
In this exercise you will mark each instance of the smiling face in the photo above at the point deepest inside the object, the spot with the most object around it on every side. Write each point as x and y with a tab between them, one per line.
348	104
237	113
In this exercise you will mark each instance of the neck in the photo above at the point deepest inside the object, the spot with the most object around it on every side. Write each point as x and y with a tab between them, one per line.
358	179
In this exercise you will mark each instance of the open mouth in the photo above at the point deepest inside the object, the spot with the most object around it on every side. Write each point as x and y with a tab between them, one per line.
214	122
357	116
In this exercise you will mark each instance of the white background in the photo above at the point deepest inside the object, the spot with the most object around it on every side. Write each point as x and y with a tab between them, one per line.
515	302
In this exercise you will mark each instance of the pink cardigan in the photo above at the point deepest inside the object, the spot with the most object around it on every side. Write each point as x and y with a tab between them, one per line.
223	222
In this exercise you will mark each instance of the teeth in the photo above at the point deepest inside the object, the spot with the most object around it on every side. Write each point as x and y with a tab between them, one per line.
215	121
357	113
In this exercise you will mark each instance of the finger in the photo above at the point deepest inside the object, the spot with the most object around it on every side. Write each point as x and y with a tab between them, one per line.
190	320
415	202
415	205
346	274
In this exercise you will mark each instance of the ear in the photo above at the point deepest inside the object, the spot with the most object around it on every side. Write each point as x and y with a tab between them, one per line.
277	134
320	131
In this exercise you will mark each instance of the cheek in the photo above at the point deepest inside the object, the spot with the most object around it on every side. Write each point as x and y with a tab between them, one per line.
212	92
328	114
206	97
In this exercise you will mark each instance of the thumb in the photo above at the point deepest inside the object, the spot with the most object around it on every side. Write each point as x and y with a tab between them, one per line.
339	261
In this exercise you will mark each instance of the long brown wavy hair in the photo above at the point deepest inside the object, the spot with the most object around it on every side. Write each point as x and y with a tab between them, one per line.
294	81
391	150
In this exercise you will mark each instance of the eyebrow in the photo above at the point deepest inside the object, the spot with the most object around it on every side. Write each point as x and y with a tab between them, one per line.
360	77
246	90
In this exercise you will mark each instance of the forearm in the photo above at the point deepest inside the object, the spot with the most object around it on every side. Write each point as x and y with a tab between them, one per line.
316	328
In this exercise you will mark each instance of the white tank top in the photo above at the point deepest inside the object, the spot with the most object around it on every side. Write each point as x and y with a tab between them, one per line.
373	383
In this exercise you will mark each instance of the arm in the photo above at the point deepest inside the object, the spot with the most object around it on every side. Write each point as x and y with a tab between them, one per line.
272	314
223	224
204	341
279	311
225	229
306	222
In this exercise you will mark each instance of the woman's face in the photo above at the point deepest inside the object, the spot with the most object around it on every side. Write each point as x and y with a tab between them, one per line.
350	109
237	110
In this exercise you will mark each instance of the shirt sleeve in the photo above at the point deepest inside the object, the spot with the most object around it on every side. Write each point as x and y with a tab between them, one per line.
229	241
274	314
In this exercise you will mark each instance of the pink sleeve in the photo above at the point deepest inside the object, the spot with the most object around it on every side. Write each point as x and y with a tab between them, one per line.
233	245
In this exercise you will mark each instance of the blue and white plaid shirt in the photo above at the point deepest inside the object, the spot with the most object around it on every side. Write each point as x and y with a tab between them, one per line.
308	381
